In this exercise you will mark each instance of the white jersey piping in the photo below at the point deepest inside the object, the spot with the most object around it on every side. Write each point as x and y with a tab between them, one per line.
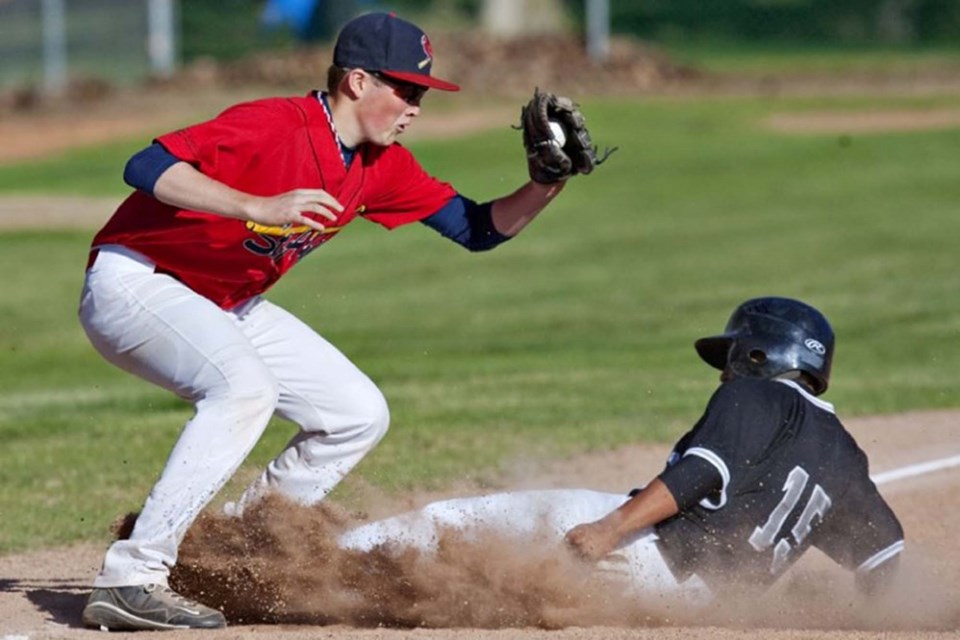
880	557
826	406
721	467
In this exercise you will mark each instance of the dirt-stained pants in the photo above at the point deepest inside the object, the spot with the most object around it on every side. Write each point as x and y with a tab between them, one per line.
533	517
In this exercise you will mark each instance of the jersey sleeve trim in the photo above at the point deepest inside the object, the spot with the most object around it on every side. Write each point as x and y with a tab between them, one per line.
721	468
880	557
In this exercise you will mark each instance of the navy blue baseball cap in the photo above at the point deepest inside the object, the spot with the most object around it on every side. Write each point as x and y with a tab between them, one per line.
384	43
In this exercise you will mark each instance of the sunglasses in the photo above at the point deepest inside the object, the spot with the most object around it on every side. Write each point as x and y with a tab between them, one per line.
410	93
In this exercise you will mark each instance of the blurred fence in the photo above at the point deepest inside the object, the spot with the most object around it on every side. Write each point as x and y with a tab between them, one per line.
48	43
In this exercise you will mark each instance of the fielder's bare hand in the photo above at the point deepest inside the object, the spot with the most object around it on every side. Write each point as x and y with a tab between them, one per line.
185	187
289	208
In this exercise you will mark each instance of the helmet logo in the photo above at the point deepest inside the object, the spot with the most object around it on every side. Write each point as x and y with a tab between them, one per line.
815	345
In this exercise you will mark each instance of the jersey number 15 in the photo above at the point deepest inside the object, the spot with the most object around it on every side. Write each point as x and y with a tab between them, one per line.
764	537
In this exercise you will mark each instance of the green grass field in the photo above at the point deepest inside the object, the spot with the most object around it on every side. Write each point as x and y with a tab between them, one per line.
791	59
575	336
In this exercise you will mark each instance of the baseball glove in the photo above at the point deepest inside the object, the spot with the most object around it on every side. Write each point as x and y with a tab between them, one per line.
551	159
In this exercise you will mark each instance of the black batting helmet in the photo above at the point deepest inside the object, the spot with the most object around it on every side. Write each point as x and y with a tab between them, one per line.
766	337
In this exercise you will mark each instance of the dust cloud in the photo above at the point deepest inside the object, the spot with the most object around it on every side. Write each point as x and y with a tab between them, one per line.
280	564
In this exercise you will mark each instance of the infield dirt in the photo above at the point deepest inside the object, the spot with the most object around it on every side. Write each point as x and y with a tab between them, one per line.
291	577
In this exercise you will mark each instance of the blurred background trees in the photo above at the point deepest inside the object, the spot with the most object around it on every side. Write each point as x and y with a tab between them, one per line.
815	22
110	39
852	22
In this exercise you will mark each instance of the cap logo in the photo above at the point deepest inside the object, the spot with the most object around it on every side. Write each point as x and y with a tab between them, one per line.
815	345
427	49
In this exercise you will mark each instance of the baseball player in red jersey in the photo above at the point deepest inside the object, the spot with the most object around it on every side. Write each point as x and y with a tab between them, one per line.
173	291
766	473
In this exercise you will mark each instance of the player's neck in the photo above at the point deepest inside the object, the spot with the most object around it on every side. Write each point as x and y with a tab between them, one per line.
344	120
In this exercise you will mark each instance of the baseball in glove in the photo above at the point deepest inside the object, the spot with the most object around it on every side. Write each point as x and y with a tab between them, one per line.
552	155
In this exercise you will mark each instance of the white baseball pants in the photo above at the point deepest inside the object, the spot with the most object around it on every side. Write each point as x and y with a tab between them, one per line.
524	514
238	367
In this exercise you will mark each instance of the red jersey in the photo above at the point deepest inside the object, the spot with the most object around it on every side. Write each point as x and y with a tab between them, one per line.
265	148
